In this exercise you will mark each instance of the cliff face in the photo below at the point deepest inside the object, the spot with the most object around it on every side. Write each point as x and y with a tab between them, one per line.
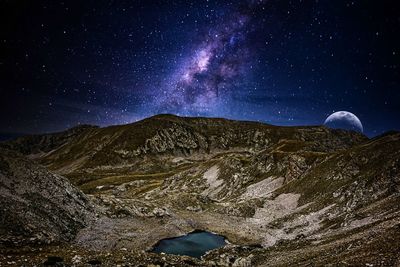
36	205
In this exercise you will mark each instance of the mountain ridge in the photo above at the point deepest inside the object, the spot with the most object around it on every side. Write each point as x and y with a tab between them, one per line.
170	134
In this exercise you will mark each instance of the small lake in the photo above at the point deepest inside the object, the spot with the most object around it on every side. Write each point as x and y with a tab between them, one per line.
194	244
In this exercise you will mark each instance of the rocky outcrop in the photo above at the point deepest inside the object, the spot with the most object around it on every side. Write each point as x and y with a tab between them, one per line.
37	206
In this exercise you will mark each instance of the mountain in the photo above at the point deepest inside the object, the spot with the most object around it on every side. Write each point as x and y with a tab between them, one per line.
282	196
36	205
163	137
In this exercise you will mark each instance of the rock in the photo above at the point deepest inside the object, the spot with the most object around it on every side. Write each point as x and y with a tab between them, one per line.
37	205
160	212
243	262
76	259
193	208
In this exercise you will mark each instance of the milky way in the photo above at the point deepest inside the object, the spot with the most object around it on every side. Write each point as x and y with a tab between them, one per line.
283	62
203	83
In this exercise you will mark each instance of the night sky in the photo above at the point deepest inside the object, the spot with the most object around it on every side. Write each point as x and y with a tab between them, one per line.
279	62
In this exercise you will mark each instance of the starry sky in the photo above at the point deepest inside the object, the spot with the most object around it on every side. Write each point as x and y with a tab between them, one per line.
287	63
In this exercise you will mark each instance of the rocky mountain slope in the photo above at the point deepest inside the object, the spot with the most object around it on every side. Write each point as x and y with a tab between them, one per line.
172	135
36	205
282	196
159	142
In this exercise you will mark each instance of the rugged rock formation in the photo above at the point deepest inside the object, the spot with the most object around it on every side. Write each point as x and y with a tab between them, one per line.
36	205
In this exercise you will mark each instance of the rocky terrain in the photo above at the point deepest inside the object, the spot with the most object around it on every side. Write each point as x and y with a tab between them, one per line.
282	196
38	207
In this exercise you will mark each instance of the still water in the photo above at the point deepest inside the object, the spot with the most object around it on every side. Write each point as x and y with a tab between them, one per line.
194	244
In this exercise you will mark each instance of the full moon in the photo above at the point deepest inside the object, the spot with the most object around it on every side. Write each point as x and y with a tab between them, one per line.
344	120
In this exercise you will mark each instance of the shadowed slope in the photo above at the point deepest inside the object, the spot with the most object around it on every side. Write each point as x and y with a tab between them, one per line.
36	205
